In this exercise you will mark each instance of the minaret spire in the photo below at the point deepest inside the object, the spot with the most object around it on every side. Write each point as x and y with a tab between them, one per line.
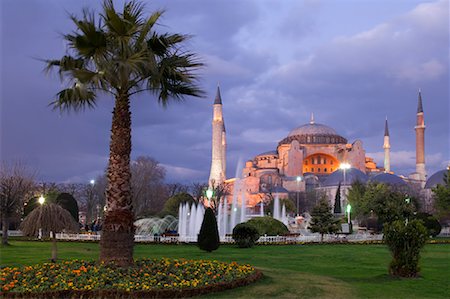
312	118
218	99
218	159
387	148
419	104
420	141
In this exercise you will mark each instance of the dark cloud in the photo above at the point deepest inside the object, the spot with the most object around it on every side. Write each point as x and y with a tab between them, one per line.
276	62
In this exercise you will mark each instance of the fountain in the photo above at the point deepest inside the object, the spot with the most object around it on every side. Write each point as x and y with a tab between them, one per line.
284	218
276	208
156	225
190	221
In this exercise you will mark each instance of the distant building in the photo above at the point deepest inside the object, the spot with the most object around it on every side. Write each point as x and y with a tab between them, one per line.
310	158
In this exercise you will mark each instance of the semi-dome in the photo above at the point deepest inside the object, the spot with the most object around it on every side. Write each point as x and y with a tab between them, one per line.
351	175
436	178
388	178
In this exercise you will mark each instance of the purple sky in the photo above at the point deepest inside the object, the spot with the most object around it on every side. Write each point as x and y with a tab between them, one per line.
351	62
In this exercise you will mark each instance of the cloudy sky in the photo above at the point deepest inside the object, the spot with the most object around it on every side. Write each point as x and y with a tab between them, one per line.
350	62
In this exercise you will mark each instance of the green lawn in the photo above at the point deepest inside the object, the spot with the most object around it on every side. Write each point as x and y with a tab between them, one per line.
293	271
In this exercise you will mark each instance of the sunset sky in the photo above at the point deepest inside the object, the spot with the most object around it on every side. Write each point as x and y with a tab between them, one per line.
351	63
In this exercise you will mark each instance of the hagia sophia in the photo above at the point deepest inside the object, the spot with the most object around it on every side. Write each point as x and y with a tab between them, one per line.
314	156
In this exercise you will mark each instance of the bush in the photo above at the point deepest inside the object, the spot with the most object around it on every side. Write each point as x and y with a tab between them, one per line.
268	226
208	238
245	235
405	242
431	223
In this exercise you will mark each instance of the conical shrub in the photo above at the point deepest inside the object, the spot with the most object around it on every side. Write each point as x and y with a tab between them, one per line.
208	238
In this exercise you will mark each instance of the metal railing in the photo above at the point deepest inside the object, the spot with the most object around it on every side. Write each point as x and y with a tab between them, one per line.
229	239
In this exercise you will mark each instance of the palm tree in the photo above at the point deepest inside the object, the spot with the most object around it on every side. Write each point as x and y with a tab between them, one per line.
120	54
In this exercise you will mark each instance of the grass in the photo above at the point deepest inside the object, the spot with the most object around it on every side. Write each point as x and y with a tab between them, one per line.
294	271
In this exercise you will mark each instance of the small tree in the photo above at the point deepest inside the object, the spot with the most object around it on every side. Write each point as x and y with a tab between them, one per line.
441	195
49	218
245	235
208	238
337	201
322	220
405	242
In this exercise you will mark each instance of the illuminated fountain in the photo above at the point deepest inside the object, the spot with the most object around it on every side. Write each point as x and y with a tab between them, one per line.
156	225
190	221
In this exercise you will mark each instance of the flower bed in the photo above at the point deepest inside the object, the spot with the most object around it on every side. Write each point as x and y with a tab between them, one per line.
167	278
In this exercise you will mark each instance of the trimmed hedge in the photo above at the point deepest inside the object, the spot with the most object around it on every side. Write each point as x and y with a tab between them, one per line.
245	235
268	226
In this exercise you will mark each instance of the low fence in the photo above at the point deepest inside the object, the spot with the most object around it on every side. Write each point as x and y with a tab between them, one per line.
228	239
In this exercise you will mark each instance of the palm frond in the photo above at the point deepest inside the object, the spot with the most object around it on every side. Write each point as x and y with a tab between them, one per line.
76	98
146	28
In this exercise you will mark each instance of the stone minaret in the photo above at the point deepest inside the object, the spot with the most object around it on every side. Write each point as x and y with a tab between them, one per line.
420	141
218	161
387	148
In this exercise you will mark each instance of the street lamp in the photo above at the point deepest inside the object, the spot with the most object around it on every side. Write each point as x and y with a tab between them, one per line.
344	166
298	179
92	182
209	195
349	208
41	199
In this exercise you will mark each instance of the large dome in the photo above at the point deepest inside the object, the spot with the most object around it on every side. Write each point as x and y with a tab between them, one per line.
314	133
312	129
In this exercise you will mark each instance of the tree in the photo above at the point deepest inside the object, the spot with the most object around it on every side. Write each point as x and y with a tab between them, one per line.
441	195
322	220
337	201
68	202
147	185
208	237
385	201
355	198
16	184
405	240
197	191
175	188
172	204
120	54
49	217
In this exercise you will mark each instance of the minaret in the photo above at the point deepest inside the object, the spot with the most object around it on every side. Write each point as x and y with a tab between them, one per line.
387	148
217	174
420	141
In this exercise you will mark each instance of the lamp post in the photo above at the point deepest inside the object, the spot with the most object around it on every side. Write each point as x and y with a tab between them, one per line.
344	166
349	208
407	200
209	195
41	201
298	179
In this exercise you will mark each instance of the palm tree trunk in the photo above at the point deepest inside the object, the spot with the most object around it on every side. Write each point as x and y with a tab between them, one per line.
117	240
5	226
